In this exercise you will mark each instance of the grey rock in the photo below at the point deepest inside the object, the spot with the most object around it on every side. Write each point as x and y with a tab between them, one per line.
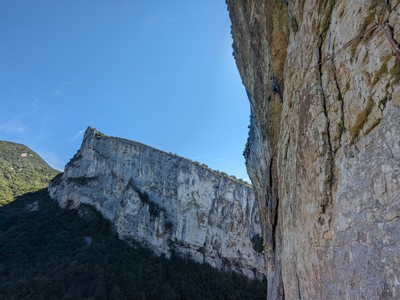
325	163
168	203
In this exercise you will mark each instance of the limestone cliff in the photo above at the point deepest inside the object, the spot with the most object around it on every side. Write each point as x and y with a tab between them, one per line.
323	152
168	203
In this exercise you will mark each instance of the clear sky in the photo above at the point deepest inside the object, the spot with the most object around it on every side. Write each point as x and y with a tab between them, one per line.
155	71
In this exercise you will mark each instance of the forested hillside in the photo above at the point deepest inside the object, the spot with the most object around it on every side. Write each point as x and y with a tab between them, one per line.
21	171
50	253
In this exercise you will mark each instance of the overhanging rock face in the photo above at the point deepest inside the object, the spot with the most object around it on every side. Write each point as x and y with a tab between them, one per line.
164	201
323	81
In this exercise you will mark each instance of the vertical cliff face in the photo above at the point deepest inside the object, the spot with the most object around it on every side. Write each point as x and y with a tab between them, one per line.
324	158
169	203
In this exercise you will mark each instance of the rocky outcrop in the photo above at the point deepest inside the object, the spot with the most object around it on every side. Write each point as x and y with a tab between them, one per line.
324	158
168	203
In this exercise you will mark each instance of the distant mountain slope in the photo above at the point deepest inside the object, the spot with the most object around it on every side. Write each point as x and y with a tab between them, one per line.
21	171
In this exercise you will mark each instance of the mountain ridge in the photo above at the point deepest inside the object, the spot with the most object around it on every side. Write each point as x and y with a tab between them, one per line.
99	134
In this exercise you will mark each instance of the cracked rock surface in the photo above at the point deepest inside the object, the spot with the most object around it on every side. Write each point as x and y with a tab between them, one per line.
164	201
325	160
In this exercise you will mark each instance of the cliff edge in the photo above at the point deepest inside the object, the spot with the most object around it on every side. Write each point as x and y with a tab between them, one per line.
323	152
166	202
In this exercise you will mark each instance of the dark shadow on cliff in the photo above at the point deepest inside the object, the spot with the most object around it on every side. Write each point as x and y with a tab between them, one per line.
50	253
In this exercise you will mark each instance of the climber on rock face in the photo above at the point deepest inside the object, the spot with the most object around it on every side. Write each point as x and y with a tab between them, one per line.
276	88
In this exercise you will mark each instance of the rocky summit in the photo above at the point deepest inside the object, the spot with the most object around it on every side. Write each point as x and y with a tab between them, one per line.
168	203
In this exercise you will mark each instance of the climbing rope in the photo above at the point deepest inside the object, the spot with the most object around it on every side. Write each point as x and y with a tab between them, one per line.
392	42
395	47
378	24
333	55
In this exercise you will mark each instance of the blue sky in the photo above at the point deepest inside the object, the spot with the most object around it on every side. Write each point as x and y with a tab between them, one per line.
159	72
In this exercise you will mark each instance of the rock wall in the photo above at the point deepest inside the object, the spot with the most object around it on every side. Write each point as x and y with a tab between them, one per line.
322	79
168	203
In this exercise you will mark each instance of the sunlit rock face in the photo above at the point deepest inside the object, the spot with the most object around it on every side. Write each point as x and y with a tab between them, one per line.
164	201
324	159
